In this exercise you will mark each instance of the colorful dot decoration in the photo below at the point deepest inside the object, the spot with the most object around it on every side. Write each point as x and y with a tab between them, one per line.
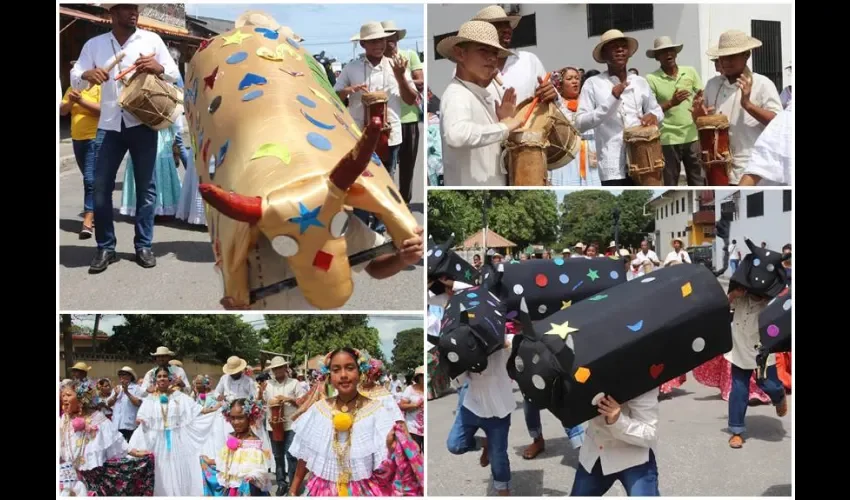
319	141
237	57
250	96
306	101
317	123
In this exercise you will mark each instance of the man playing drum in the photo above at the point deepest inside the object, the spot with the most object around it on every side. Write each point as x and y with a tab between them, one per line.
613	101
749	100
674	87
119	131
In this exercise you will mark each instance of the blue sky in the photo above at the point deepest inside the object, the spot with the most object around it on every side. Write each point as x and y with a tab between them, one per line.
387	325
328	27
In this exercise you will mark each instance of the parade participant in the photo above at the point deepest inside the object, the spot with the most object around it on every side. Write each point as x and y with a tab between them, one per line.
370	388
125	402
472	123
119	131
413	404
583	170
750	100
345	442
410	114
772	157
167	180
678	254
84	108
239	468
283	391
80	372
163	356
645	260
674	87
613	101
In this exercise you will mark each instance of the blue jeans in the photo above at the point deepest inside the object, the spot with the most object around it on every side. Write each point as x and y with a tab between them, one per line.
462	440
740	394
85	152
733	264
141	142
184	153
390	163
284	462
535	427
639	481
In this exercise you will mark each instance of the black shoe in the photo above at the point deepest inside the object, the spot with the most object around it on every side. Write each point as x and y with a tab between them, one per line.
145	258
102	260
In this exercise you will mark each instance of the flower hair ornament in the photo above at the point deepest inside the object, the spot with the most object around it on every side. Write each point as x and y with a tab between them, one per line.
86	394
376	368
363	362
253	408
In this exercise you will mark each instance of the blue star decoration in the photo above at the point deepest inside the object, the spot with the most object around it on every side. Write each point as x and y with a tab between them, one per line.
307	218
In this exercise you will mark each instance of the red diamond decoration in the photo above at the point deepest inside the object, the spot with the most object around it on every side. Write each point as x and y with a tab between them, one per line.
323	260
209	81
204	44
367	173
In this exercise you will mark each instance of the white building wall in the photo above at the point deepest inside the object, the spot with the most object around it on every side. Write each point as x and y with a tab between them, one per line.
562	34
774	227
672	224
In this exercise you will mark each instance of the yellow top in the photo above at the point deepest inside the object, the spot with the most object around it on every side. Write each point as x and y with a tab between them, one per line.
83	122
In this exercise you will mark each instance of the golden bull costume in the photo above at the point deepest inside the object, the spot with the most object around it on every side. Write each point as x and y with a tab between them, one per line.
285	160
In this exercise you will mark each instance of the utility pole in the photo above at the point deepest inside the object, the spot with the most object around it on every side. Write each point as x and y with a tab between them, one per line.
617	227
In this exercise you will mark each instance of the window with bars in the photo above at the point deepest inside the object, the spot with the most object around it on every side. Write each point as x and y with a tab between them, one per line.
786	200
525	35
767	59
755	205
624	17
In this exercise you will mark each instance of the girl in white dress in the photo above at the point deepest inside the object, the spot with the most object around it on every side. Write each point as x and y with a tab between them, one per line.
173	429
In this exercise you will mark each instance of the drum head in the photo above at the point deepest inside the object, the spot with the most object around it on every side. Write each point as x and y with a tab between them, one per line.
563	140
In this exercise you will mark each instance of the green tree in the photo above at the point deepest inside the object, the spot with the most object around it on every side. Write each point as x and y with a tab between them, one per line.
524	217
309	335
452	212
408	350
205	337
634	223
587	216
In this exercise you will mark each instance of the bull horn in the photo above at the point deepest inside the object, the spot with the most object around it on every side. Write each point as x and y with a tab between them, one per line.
236	206
355	161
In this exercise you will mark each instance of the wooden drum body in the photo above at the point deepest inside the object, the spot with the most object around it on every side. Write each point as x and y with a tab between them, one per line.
276	422
714	148
644	156
153	101
547	141
375	104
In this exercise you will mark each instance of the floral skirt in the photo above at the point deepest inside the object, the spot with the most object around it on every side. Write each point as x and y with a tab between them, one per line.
127	477
212	488
318	487
667	387
718	373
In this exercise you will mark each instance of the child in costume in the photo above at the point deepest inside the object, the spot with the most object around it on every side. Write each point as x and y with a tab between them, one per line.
351	445
240	467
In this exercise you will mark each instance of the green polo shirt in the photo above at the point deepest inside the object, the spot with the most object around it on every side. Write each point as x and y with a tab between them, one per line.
678	126
410	114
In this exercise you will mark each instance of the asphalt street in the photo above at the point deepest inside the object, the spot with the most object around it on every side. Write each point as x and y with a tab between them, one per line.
694	458
184	277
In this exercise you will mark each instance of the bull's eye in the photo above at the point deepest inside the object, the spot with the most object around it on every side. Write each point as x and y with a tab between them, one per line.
339	224
285	245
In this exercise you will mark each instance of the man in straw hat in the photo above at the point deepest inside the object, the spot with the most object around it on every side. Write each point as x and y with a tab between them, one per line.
281	389
235	384
80	372
375	72
678	255
118	131
163	357
473	125
674	88
750	100
612	101
409	148
519	70
125	402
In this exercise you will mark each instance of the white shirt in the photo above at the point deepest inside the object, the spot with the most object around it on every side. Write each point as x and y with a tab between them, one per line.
491	392
641	257
472	136
681	256
410	416
744	130
124	411
520	73
290	388
745	333
100	51
772	157
626	442
242	387
380	77
733	252
358	238
176	372
608	116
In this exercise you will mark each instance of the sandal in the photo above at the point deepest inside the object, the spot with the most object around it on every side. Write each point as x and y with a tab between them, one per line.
736	442
535	448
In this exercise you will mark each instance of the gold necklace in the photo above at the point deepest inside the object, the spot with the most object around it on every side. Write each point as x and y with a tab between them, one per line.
344	407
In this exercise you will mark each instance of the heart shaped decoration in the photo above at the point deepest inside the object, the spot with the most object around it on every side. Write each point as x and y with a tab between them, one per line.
655	370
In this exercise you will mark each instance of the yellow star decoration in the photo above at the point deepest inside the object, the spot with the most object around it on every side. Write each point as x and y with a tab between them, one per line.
561	330
687	289
566	304
235	39
471	315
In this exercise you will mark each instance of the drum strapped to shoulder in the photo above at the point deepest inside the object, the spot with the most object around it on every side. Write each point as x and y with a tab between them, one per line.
547	141
644	156
715	156
153	101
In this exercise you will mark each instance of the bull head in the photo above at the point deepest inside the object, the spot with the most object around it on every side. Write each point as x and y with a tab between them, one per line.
280	158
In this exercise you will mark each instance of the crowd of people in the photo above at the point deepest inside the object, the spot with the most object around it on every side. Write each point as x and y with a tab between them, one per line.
478	110
276	433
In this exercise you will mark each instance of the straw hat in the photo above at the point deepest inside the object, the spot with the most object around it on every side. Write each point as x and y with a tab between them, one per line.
127	369
79	365
625	253
680	240
662	43
420	370
496	14
733	42
277	362
711	49
371	31
613	244
610	36
234	365
176	362
580	245
566	250
472	31
390	27
109	6
163	351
